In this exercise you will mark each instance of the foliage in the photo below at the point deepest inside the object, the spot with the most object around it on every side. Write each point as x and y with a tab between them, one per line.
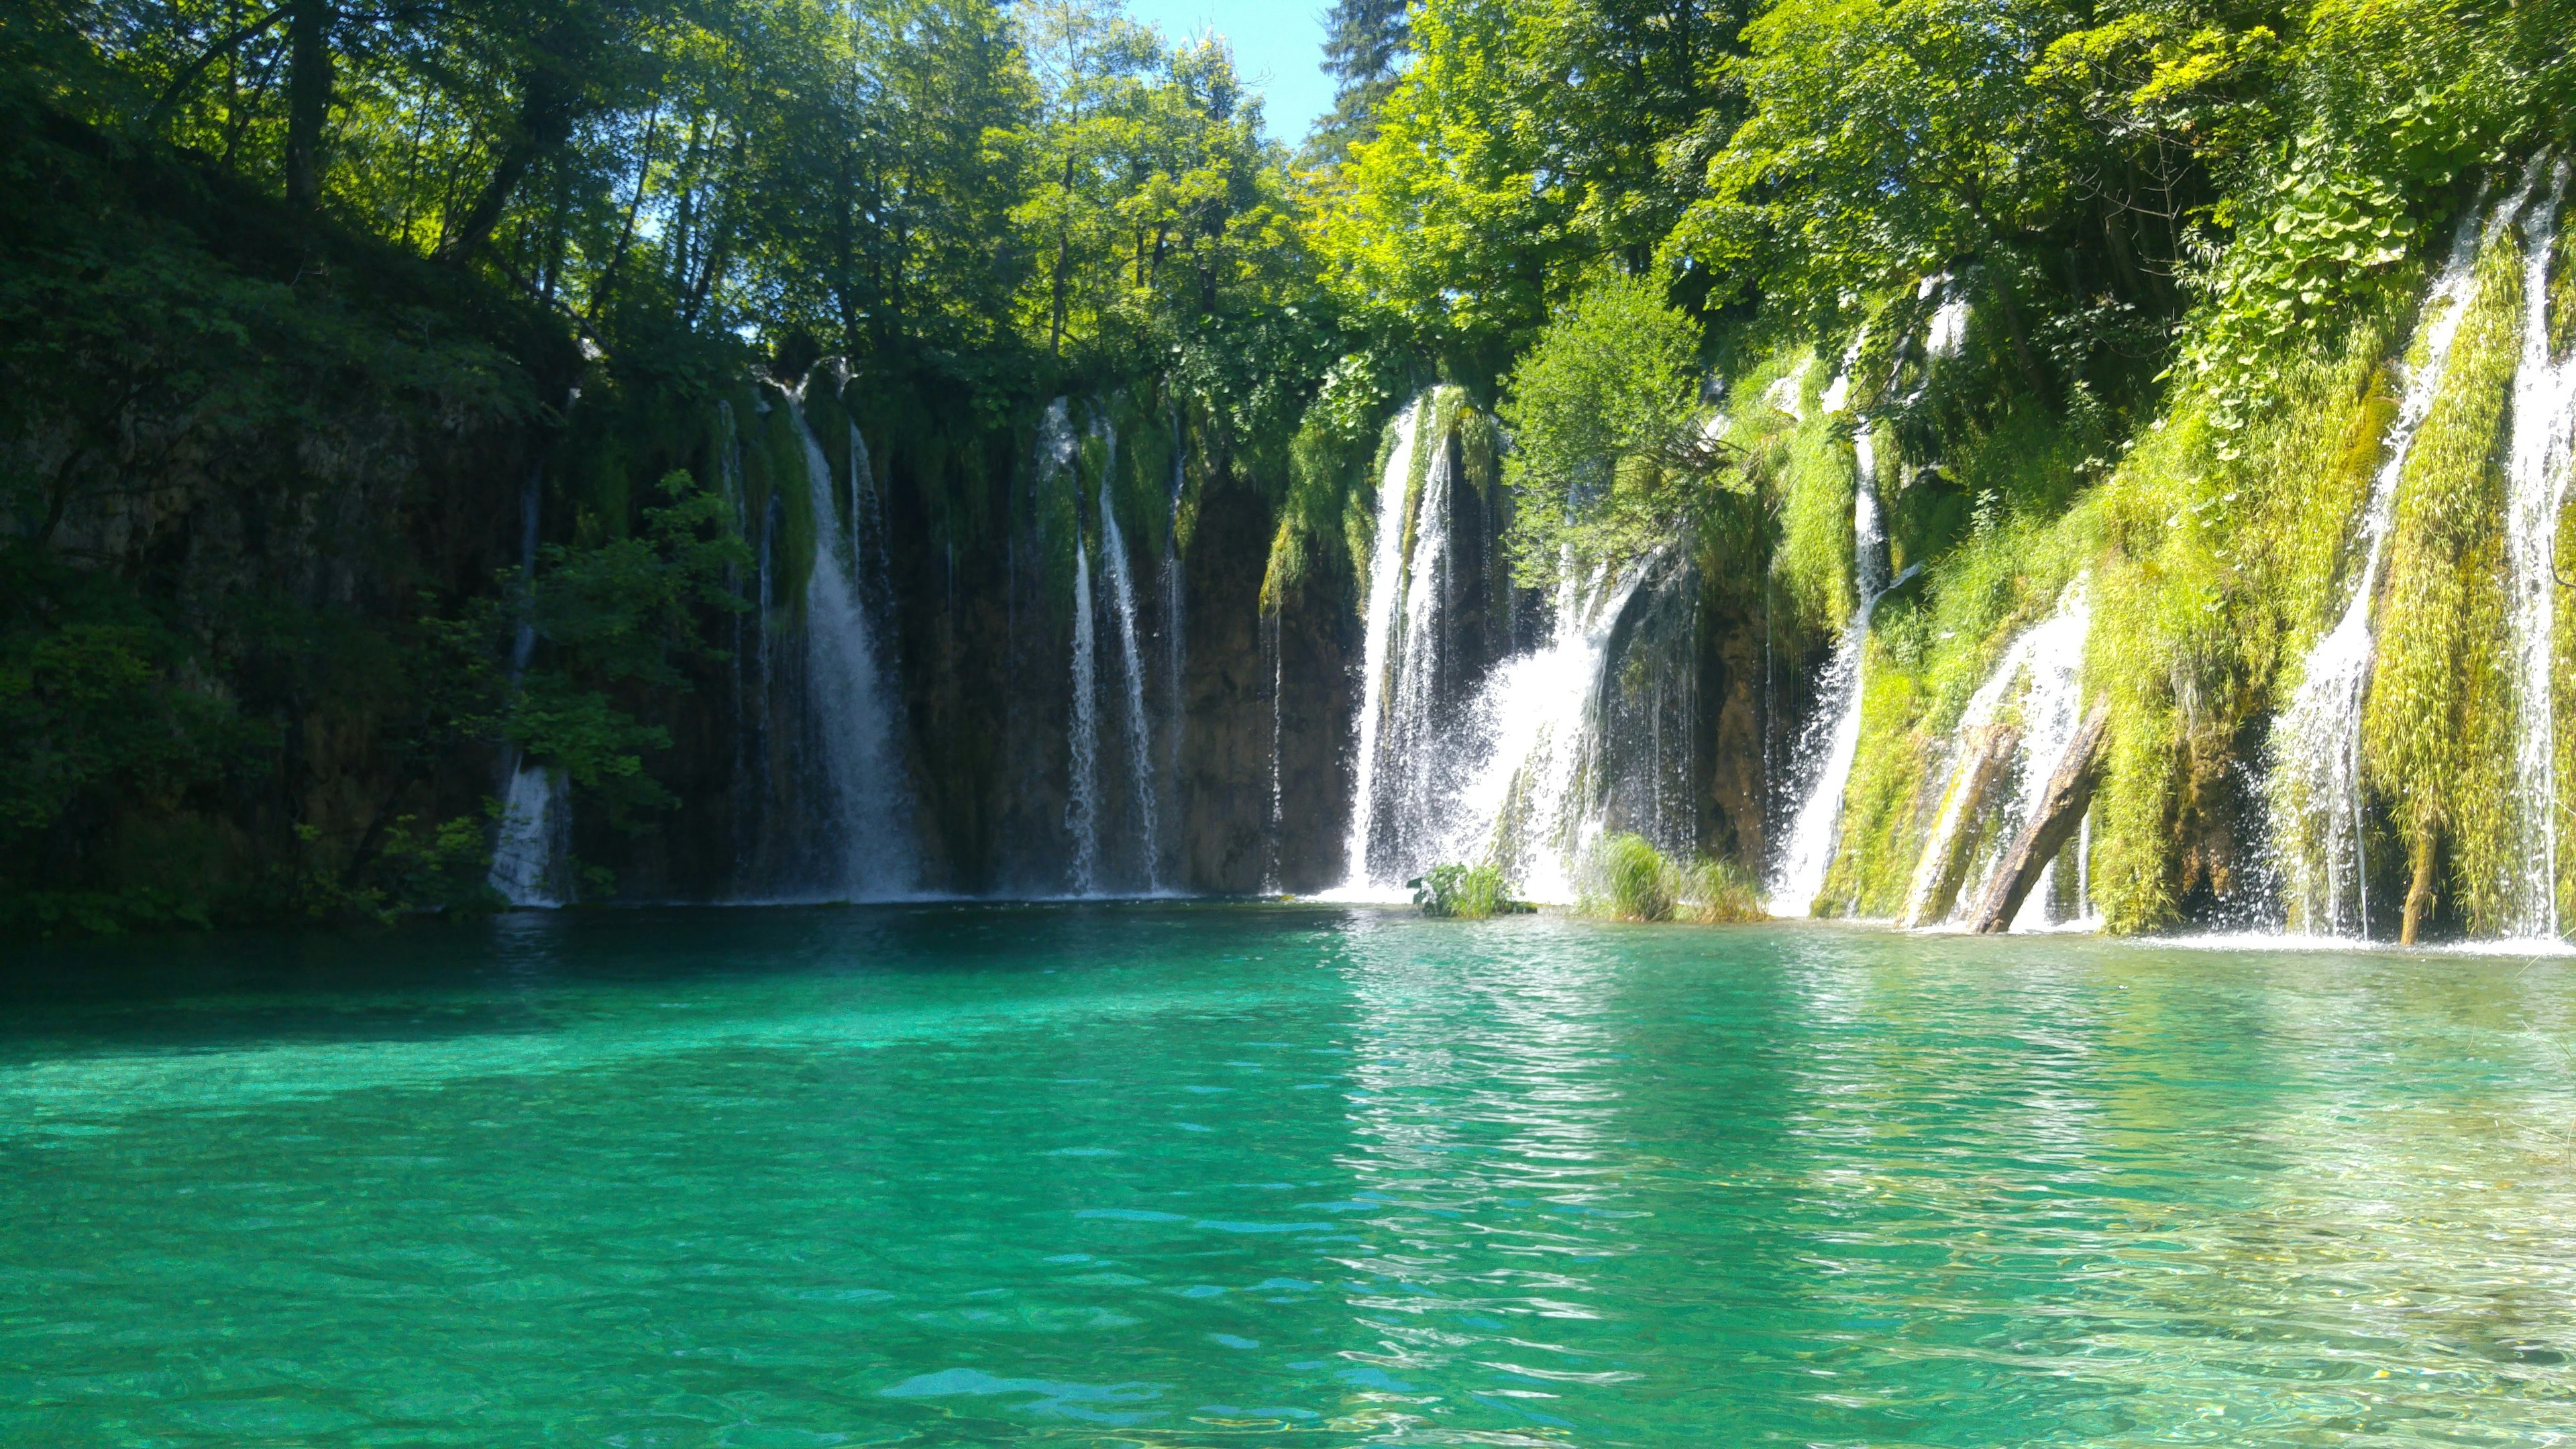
1609	453
1464	893
1718	892
1627	879
2440	714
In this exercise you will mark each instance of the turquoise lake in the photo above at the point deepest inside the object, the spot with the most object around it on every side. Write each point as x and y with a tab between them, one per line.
1162	1175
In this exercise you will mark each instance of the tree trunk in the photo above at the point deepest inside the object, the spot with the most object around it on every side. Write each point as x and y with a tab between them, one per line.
2020	335
308	99
2419	893
1955	833
1063	258
2070	794
545	120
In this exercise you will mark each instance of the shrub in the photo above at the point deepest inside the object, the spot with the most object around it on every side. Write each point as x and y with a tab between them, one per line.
1465	893
1630	880
1718	891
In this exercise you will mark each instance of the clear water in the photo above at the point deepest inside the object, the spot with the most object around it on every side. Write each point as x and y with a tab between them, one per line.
1179	1176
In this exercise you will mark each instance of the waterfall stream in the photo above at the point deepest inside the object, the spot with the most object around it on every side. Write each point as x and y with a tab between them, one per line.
1821	765
860	846
1117	847
1378	640
2537	474
533	845
2316	749
1529	800
1140	726
2039	686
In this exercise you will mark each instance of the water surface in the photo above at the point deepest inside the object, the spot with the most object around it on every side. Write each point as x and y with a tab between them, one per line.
1204	1176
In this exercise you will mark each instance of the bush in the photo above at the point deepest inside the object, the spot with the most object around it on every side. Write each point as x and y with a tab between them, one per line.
1465	893
1630	880
1718	891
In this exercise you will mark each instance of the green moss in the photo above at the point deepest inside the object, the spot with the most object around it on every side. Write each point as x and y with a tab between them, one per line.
2216	567
2563	686
1813	476
2562	294
2438	723
1882	828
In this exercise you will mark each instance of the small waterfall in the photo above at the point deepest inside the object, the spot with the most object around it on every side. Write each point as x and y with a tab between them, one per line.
1416	766
2052	710
1082	728
1385	597
1140	725
2544	415
1827	747
535	839
1821	765
861	846
533	844
2316	749
1531	747
2039	684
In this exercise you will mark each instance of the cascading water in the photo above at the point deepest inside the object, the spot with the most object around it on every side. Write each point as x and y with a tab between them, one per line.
860	844
2039	683
1821	765
1531	742
534	840
2537	475
1140	726
1378	640
2316	746
1417	767
1082	728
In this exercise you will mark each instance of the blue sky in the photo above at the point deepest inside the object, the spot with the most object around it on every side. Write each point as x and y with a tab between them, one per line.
1277	44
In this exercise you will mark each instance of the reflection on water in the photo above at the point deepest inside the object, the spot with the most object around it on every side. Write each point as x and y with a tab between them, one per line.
1188	1176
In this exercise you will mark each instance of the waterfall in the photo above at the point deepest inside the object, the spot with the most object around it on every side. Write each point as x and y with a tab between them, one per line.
2052	711
2316	746
1082	727
535	839
1385	596
1140	726
1531	746
861	846
2038	683
1821	765
1415	765
1827	746
2544	414
533	844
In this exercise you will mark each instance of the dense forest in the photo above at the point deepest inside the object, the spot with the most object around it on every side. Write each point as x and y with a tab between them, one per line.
872	447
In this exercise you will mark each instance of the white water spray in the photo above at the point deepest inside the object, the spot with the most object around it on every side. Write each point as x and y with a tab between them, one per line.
2544	415
2316	746
1532	742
